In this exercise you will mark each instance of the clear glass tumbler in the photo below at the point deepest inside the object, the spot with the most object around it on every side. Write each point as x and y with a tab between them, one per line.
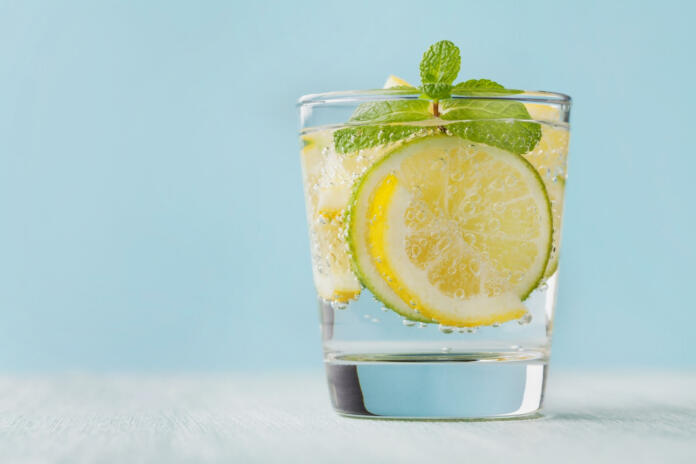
435	250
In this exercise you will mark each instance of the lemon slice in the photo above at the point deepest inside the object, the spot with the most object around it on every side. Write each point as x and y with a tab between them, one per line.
327	192
393	81
549	158
329	178
457	231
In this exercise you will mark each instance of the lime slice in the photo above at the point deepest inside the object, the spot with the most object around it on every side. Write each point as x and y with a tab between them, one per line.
456	231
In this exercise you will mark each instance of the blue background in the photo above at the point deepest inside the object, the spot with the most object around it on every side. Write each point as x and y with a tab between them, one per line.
150	198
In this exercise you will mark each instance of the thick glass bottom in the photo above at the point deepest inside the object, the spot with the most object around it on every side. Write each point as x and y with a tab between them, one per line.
474	386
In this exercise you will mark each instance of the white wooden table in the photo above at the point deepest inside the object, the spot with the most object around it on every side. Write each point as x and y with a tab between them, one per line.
647	417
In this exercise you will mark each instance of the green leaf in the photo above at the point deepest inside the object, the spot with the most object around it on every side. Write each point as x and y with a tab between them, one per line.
356	138
437	91
439	68
481	87
456	108
401	87
500	123
392	111
515	136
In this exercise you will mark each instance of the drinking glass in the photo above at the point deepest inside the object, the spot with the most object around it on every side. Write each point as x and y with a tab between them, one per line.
435	255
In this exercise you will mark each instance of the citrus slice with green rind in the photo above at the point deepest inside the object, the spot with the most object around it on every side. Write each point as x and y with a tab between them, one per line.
451	231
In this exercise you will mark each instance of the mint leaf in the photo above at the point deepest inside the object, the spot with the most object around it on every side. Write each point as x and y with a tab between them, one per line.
392	111
493	122
356	138
481	87
379	116
439	68
515	136
461	108
437	91
401	87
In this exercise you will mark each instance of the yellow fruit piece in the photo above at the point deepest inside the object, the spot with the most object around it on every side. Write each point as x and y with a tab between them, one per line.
328	179
459	231
393	81
549	158
544	112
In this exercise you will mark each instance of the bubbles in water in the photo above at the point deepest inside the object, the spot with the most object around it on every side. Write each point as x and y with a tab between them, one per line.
526	319
475	268
366	316
384	309
408	322
544	286
339	305
415	251
472	330
422	325
374	319
496	324
445	349
446	329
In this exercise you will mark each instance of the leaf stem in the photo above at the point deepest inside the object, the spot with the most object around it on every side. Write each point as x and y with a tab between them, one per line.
436	113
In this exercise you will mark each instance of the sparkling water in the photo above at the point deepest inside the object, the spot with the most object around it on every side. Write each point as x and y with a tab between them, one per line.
380	363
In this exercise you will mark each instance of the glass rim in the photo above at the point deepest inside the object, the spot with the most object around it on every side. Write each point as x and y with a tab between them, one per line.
360	96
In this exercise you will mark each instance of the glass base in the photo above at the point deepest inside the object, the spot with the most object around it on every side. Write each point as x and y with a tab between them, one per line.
437	389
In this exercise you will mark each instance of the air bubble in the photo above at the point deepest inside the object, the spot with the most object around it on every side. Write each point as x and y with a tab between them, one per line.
374	319
496	324
475	268
408	322
526	319
544	286
384	309
472	330
422	325
415	250
339	305
445	349
446	329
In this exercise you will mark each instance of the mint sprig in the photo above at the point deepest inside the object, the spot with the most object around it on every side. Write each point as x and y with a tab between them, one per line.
497	122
